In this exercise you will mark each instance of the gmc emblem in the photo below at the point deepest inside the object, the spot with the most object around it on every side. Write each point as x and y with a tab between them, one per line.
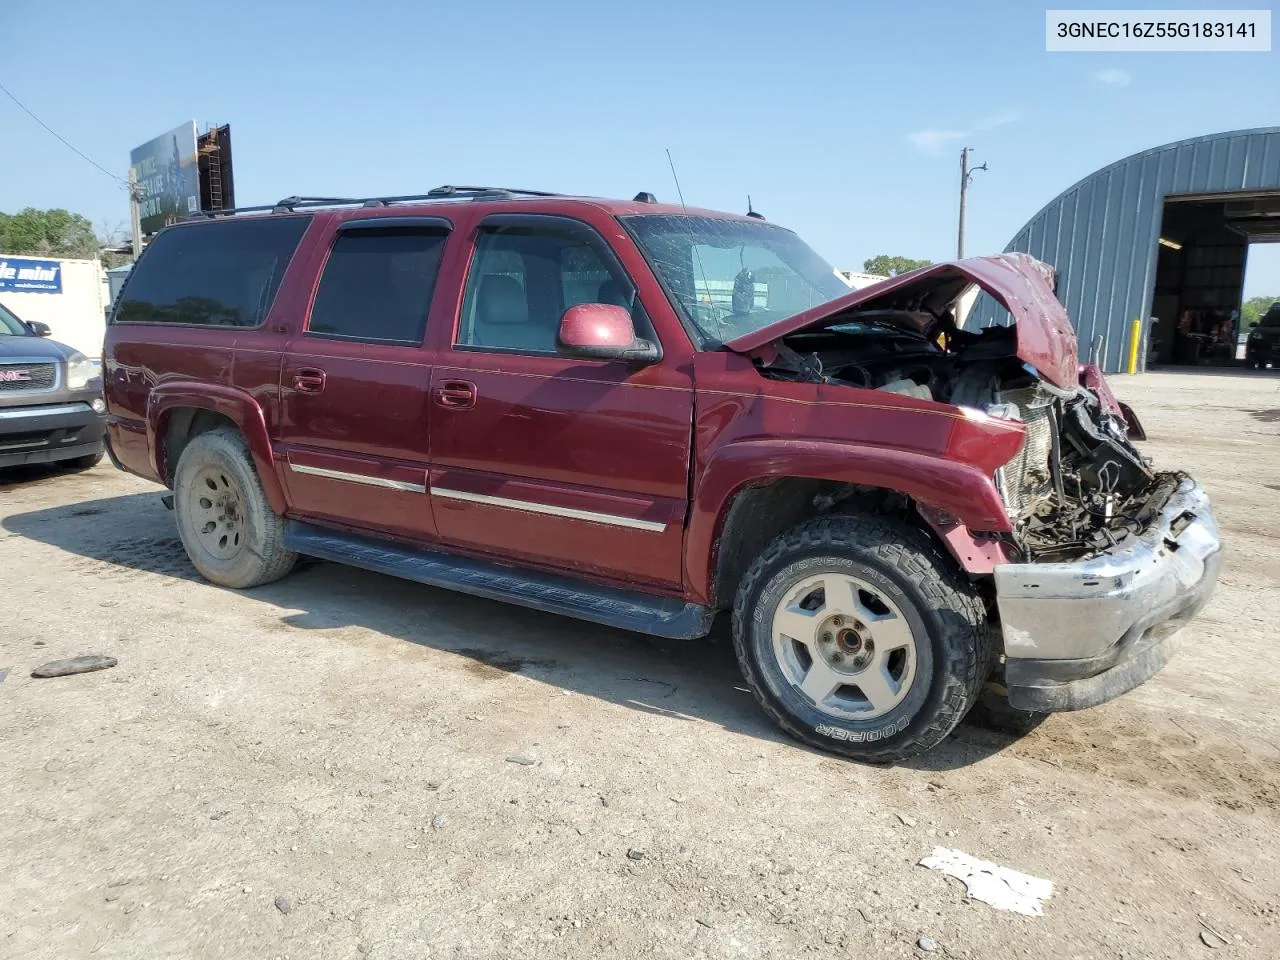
9	376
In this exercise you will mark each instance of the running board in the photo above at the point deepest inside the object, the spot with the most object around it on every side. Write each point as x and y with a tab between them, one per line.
625	609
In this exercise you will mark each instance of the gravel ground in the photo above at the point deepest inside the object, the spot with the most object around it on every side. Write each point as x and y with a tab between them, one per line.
343	765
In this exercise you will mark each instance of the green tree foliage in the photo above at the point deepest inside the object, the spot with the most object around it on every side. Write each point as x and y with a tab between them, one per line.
48	233
887	266
1254	308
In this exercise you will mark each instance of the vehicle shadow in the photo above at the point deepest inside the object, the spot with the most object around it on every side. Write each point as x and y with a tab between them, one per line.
134	535
30	474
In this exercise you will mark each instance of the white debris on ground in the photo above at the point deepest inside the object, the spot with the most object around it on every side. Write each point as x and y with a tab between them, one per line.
998	886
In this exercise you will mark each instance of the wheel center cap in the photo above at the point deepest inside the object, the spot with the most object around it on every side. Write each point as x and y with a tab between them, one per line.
850	641
845	643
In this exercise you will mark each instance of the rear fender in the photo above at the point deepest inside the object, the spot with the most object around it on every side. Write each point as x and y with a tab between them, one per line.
236	405
955	492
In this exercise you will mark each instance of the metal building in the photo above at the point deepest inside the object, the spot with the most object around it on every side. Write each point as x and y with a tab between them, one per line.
1163	233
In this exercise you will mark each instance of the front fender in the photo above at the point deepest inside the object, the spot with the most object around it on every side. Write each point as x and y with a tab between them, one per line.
236	405
955	488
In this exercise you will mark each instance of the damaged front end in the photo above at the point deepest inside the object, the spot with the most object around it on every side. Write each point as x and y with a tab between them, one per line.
1078	486
1106	557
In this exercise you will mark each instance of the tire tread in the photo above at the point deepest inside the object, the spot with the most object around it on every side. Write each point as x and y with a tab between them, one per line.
966	646
274	560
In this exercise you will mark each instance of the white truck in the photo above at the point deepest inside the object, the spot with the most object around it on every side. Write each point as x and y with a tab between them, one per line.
68	296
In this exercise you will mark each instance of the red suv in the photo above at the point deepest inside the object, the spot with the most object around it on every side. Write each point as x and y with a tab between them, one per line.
642	415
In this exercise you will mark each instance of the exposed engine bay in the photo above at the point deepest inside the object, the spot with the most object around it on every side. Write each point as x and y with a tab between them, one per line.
1076	488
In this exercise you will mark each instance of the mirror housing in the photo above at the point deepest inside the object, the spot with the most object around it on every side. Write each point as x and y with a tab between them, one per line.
603	331
39	329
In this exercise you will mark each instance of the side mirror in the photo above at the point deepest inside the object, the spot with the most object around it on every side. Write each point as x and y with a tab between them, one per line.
603	331
40	329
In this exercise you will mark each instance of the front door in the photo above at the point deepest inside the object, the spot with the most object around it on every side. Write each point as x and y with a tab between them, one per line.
354	382
581	465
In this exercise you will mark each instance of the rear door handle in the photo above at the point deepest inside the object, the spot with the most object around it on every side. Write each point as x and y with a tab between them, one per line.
308	380
456	394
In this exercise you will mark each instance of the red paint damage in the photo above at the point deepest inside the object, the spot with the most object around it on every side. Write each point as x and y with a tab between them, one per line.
927	300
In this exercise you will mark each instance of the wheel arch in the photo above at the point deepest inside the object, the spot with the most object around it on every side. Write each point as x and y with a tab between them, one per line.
752	491
178	412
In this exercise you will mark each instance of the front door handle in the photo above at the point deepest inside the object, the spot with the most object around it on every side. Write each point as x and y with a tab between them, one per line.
456	394
308	380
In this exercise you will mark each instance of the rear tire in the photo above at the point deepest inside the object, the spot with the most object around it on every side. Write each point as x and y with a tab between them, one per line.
857	635
228	528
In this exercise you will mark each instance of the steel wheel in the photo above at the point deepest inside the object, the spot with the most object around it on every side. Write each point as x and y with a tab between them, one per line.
217	513
226	523
845	646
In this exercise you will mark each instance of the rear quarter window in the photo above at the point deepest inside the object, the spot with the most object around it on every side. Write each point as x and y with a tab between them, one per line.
222	274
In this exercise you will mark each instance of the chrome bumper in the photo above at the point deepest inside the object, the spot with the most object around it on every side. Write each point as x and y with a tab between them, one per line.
1078	634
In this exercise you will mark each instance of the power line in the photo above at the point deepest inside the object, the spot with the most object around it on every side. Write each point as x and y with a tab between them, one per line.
64	140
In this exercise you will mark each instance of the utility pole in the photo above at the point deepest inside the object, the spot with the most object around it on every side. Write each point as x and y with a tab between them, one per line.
135	212
965	176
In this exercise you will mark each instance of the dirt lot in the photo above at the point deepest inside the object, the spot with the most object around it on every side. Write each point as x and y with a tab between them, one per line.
345	765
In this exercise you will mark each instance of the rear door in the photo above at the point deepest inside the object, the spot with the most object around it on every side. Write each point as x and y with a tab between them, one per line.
354	381
580	465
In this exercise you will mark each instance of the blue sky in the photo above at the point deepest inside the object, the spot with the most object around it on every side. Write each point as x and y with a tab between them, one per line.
843	120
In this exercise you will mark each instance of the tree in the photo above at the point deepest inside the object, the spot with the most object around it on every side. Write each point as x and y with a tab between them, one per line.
114	244
1254	308
48	233
887	266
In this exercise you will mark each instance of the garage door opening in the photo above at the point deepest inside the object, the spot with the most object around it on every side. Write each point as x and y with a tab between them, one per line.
1200	270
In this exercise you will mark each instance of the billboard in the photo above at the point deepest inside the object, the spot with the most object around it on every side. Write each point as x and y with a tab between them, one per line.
168	177
23	275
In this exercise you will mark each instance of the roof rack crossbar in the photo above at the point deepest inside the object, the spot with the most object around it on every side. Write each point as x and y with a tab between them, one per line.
452	191
288	204
447	192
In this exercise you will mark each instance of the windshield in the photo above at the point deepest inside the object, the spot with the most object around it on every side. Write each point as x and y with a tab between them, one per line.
732	277
1272	317
11	326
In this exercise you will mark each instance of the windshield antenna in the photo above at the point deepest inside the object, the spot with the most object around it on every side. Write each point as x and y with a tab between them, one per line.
693	245
679	192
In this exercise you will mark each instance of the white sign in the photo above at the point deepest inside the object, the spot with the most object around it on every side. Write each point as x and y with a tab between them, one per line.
1157	31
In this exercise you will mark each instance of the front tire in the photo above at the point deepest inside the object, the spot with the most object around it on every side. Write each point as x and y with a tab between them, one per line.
859	636
228	528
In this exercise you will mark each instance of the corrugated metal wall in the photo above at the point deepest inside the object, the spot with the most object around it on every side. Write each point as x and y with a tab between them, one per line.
1101	233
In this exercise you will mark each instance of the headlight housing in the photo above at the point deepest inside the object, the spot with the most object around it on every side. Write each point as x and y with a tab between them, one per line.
81	372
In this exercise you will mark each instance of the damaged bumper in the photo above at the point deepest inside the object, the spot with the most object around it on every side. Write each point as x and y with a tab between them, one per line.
1079	634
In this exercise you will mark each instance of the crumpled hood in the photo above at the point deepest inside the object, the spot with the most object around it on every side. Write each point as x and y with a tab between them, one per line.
1023	285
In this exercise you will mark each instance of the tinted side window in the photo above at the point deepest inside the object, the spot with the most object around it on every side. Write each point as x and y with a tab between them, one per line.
523	279
220	274
377	285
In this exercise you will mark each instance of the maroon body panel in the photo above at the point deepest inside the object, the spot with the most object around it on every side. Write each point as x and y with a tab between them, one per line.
606	439
618	472
751	429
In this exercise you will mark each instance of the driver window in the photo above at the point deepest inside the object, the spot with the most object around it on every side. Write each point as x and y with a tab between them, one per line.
522	280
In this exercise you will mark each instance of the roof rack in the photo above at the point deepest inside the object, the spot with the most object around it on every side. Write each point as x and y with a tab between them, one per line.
447	192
